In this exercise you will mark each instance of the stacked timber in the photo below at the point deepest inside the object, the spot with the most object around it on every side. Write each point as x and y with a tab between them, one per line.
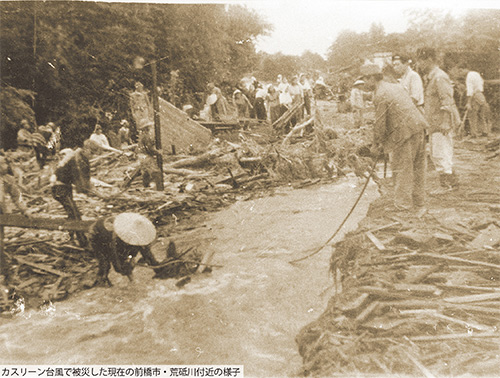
416	294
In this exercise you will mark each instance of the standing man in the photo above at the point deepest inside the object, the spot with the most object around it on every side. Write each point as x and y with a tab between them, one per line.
399	129
147	154
409	79
478	108
442	116
357	102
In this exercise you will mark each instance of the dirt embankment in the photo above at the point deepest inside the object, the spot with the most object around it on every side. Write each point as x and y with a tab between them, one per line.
418	295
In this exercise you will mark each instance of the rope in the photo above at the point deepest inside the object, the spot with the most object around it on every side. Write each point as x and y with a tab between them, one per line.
345	219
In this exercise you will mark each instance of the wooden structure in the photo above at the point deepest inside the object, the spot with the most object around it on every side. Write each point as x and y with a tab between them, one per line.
178	131
58	224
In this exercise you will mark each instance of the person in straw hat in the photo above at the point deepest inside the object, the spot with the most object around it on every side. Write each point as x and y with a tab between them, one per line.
117	240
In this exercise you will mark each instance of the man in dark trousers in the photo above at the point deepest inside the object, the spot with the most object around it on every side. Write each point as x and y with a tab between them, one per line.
117	240
399	129
72	169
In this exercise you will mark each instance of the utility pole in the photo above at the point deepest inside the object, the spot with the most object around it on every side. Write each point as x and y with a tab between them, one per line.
156	110
34	53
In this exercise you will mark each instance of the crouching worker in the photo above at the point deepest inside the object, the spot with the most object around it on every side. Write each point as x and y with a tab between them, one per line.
117	240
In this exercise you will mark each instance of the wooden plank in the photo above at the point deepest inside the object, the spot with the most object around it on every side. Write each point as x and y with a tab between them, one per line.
467	287
416	288
380	246
356	303
473	298
463	336
367	312
458	259
59	224
424	274
205	261
427	304
41	267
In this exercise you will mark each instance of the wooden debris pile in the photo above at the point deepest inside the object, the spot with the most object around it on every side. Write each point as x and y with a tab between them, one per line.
45	269
250	161
414	295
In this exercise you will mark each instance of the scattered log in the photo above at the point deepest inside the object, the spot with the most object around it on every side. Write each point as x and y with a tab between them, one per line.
287	116
473	298
380	246
354	305
193	161
365	314
458	260
424	274
60	224
40	267
205	261
296	128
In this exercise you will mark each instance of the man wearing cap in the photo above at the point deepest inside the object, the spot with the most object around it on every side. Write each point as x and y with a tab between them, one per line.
442	116
357	102
409	79
117	240
399	129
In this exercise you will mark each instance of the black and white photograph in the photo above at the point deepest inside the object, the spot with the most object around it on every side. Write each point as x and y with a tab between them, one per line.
249	188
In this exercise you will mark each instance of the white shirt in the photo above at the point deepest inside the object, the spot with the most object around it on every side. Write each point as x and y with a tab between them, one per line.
261	93
412	82
474	83
357	98
100	139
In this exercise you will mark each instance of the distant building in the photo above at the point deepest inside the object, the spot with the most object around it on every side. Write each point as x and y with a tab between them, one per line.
380	59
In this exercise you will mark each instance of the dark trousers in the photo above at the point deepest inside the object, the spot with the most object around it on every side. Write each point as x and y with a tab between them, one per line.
64	195
408	165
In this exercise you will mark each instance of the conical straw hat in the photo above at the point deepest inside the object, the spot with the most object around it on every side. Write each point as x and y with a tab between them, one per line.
134	229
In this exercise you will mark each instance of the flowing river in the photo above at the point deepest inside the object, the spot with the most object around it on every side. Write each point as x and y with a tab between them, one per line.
246	312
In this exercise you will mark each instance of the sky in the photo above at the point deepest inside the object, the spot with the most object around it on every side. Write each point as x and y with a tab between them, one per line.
313	25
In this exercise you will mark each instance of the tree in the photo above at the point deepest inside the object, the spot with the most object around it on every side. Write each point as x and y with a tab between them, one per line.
78	56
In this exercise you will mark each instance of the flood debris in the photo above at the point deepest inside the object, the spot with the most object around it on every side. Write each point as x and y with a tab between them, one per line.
420	297
47	265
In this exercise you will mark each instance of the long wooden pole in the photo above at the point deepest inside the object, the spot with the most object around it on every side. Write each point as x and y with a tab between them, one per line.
156	109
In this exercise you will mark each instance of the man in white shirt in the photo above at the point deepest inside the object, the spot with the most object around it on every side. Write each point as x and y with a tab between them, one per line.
409	79
357	102
99	141
478	108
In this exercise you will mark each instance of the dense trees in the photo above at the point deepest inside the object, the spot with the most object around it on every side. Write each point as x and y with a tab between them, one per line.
77	57
473	39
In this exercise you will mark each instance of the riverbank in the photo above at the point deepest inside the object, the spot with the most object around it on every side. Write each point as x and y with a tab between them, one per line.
417	294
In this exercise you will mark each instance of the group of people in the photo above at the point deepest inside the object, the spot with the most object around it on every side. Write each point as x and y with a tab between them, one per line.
261	101
44	140
115	240
409	113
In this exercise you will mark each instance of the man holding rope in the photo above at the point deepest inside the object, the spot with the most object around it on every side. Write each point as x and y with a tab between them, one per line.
399	129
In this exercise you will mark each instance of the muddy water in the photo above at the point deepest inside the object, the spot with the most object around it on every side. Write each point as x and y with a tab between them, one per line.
246	312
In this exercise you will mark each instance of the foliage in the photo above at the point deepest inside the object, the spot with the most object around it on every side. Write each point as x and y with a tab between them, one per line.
15	105
272	65
78	56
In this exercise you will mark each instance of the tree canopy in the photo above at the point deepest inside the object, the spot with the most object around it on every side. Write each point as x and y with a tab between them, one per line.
472	40
78	57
